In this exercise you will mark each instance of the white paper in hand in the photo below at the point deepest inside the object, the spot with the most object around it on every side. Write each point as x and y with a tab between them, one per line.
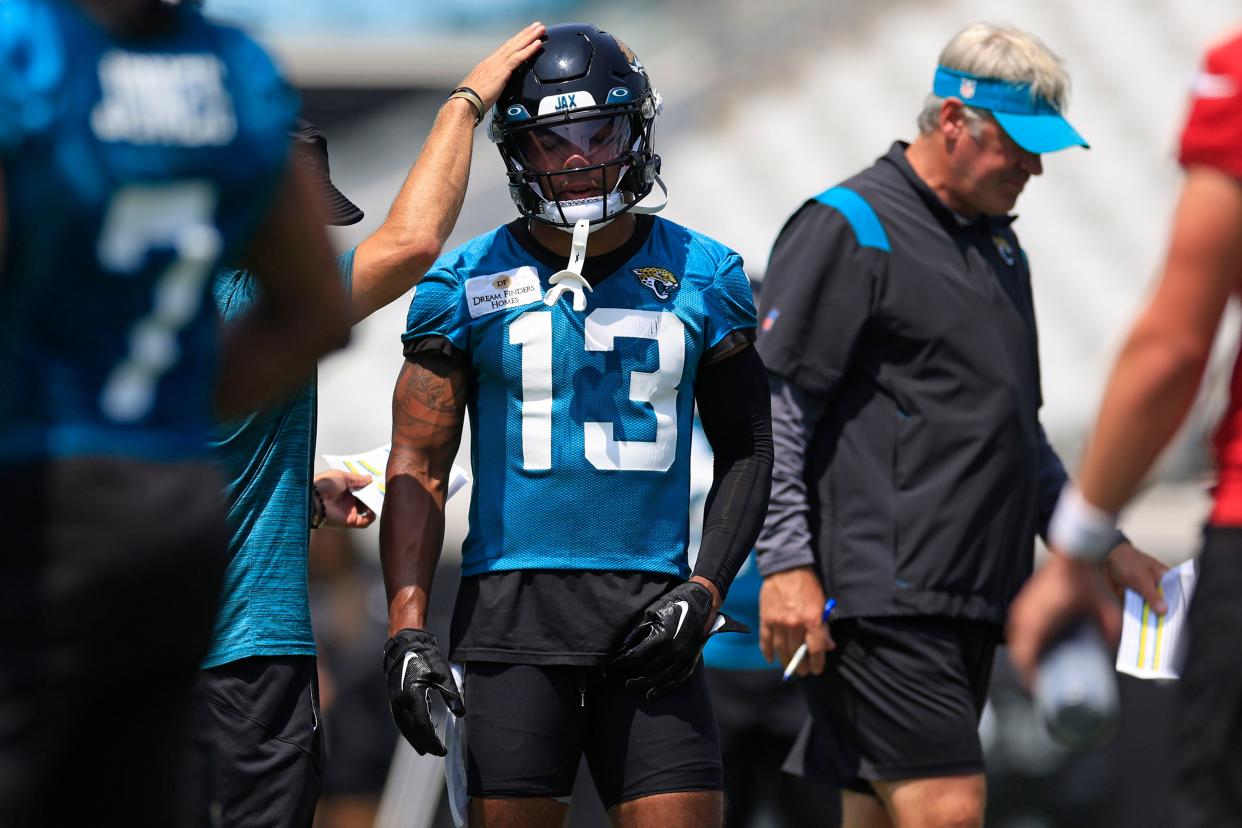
1153	646
374	462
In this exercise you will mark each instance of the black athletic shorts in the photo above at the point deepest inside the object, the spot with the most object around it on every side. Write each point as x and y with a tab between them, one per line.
257	755
900	698
527	727
1207	730
110	575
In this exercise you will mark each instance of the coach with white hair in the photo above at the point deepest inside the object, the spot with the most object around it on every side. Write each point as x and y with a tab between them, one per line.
912	472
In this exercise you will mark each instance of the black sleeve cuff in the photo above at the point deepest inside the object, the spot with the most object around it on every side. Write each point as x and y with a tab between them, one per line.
731	342
433	344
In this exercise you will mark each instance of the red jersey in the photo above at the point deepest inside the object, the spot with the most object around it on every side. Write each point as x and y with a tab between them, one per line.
1213	138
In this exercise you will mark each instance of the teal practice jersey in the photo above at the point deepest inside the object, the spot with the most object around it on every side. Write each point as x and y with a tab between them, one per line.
131	169
268	460
581	422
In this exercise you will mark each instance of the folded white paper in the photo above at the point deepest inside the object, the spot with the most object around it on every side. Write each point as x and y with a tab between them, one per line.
1152	646
374	462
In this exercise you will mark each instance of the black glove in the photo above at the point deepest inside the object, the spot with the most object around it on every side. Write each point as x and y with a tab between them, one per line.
663	650
414	667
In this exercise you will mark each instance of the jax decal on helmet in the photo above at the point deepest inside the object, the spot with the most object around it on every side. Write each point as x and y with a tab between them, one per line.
574	127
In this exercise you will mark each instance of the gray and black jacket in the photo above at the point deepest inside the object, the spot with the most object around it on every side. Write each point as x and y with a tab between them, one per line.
900	338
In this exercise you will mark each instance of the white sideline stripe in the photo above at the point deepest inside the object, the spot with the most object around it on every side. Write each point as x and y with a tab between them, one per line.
412	791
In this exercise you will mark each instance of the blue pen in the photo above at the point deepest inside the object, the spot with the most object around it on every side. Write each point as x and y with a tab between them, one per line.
800	653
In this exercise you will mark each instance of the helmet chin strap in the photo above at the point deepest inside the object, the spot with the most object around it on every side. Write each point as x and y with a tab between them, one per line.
655	208
570	279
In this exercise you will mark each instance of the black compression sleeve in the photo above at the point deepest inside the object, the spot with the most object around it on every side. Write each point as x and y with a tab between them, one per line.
736	413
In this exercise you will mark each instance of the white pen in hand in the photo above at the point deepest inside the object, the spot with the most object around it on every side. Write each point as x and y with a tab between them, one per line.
800	653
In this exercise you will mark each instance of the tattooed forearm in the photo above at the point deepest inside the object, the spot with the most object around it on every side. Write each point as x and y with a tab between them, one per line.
428	411
431	391
434	382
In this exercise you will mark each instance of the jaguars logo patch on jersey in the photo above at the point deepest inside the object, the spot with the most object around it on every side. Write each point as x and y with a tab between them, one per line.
657	280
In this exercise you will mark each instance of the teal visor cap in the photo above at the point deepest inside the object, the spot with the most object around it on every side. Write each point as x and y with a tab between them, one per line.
1031	121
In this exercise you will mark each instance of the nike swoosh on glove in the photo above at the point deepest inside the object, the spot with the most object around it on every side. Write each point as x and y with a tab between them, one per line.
414	667
663	650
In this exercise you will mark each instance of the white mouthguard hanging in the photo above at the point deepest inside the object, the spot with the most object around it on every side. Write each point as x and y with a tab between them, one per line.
571	279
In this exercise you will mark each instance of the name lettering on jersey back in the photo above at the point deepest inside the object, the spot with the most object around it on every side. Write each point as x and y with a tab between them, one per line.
498	291
178	100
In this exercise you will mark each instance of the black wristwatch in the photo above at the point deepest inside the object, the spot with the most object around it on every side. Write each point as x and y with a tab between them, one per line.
319	512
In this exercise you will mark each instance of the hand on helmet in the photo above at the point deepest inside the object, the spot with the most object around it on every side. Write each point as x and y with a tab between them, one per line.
663	650
576	139
489	77
414	667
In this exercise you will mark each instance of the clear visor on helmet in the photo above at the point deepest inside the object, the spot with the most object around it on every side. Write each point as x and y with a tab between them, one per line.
583	143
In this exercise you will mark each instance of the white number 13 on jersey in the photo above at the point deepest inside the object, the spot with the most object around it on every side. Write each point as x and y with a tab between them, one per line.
603	326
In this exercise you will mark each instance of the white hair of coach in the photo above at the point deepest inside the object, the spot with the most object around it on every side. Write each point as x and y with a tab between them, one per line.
1004	52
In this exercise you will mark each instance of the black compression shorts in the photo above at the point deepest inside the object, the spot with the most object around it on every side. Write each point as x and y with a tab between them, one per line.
527	726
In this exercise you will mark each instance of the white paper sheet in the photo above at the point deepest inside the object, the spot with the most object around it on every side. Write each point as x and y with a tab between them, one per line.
1152	646
374	462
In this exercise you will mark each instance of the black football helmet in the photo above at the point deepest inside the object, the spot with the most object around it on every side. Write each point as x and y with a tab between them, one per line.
574	126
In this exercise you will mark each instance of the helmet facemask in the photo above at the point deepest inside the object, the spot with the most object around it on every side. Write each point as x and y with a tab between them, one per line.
592	163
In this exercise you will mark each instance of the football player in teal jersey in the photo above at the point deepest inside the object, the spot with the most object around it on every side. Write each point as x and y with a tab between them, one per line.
258	753
140	146
579	338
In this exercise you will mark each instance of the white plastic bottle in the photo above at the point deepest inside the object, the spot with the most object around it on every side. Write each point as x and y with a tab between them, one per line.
1076	688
